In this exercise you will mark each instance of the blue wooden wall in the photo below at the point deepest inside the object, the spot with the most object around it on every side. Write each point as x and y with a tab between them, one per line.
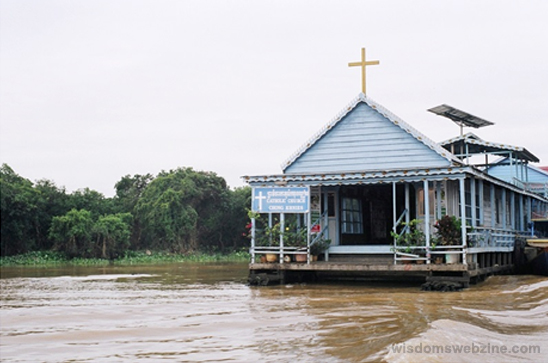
507	172
365	140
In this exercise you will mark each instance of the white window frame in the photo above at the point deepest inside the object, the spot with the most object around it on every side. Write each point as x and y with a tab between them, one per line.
352	216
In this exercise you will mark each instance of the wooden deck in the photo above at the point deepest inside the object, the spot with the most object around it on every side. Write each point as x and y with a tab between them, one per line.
357	267
378	267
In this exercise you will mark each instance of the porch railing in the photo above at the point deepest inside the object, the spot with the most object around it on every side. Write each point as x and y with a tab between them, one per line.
481	237
418	254
281	251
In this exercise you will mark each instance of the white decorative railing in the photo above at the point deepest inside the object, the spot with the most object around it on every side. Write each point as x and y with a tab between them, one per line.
491	238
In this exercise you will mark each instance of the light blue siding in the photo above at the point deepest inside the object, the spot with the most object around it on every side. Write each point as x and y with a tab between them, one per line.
537	176
366	140
508	172
503	172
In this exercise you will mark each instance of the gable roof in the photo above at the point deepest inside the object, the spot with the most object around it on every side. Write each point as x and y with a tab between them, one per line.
366	136
476	145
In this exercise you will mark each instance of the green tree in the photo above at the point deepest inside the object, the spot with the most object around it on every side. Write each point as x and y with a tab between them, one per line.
187	210
211	200
18	209
129	189
168	221
113	232
236	219
51	201
128	192
72	233
91	200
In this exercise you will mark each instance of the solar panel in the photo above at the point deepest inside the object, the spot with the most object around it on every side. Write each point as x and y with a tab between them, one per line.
461	118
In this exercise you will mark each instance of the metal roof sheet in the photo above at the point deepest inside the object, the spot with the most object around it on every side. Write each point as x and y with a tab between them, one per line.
380	177
477	145
365	177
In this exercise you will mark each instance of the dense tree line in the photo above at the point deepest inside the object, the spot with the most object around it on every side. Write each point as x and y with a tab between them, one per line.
181	210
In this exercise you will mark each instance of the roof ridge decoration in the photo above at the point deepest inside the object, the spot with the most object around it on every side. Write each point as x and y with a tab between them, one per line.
384	112
467	136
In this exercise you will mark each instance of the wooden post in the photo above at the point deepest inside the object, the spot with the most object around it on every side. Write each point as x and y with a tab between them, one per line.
427	213
520	213
503	191
252	240
394	215
407	218
282	229
308	226
481	206
493	205
473	200
427	218
462	187
438	199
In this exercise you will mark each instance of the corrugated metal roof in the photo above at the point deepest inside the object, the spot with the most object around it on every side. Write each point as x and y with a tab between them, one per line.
365	177
380	177
476	145
395	120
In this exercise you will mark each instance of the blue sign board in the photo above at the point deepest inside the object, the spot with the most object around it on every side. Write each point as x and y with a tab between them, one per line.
281	200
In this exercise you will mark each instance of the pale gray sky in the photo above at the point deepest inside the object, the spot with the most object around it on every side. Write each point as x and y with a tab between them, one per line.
94	90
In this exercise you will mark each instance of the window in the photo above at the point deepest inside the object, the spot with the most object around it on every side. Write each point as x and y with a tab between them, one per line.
352	221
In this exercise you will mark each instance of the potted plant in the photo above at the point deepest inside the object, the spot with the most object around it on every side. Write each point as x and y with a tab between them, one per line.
295	236
319	247
410	238
449	233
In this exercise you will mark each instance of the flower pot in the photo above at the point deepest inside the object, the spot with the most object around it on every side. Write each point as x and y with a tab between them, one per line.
263	259
300	258
271	258
451	258
438	260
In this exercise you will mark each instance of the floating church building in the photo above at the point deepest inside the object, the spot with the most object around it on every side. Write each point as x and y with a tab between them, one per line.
371	196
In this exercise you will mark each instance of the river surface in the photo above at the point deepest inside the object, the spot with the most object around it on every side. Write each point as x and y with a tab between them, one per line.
207	313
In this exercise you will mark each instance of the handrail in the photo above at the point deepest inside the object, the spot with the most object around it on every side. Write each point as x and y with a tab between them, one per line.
403	214
394	228
323	230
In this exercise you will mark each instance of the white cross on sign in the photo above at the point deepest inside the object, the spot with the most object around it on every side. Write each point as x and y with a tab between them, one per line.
281	200
260	197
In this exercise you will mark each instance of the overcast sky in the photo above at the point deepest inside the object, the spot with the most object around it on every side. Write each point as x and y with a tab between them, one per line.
91	91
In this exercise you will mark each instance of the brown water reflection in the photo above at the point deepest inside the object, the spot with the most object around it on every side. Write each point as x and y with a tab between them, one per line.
206	312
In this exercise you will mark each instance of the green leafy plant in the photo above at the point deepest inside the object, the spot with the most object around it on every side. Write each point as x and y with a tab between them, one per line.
320	246
449	231
411	236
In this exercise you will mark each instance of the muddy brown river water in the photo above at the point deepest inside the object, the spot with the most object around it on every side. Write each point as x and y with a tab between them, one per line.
207	313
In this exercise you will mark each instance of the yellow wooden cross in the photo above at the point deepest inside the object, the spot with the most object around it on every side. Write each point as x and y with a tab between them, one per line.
362	64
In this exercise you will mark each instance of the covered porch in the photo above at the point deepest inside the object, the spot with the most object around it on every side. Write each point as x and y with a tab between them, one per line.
362	215
359	212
